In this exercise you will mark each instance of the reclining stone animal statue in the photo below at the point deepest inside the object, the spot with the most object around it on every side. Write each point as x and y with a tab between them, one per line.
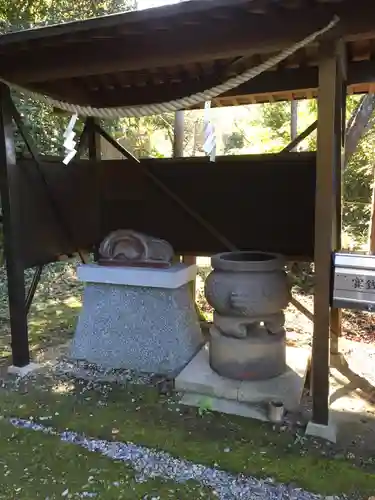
126	247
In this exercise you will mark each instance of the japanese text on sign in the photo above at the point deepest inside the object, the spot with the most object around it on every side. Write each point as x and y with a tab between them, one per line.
363	284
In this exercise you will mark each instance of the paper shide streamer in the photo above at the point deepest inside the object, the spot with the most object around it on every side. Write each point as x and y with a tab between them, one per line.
69	142
209	145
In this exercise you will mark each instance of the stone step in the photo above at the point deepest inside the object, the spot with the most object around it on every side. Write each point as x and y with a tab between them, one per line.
198	378
227	406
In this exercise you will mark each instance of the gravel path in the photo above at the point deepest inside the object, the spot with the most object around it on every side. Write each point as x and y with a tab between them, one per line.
148	464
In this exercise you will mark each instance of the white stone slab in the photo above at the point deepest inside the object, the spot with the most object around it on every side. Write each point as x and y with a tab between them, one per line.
24	370
198	377
172	277
287	388
327	432
225	406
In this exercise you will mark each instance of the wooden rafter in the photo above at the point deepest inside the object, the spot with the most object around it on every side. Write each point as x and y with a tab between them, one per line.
133	53
135	41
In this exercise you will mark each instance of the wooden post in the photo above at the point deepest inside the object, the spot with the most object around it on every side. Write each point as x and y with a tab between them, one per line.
93	140
178	152
12	209
339	158
325	236
94	150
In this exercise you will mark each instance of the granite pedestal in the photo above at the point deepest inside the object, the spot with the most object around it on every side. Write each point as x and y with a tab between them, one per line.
137	318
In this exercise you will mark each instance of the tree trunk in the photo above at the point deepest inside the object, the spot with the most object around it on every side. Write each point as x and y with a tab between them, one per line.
293	120
358	125
178	136
195	139
372	220
178	144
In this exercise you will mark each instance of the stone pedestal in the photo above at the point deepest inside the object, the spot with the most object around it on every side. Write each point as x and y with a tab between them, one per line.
137	318
201	385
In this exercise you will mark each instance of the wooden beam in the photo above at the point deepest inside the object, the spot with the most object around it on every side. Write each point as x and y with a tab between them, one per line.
95	155
32	288
13	240
293	79
300	137
244	35
183	45
324	222
281	81
93	140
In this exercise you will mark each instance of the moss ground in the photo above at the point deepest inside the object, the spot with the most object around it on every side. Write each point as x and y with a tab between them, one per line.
40	466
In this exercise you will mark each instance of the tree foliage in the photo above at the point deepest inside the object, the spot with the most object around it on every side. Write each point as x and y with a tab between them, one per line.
234	141
45	126
22	14
358	172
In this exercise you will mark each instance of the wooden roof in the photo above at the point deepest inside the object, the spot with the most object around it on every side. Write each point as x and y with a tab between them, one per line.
168	52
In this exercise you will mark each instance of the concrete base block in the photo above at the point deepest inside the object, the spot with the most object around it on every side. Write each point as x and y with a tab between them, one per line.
24	370
198	377
327	432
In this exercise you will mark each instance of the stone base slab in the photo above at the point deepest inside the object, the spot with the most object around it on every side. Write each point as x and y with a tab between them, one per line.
24	371
326	432
227	406
198	378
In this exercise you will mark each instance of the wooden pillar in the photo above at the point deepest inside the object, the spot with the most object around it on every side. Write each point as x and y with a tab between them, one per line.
178	152
12	210
325	221
93	140
94	151
339	158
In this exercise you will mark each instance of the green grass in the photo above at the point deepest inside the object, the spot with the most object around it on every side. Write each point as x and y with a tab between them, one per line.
54	310
138	415
35	465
